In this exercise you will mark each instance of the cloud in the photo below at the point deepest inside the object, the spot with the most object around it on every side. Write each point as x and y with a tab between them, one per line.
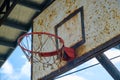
110	54
93	61
71	77
7	68
10	73
25	70
113	53
23	57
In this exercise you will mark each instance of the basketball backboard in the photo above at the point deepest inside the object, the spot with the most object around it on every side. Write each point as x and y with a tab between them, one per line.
90	27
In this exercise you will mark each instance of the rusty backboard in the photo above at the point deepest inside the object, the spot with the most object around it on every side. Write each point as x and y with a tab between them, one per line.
91	27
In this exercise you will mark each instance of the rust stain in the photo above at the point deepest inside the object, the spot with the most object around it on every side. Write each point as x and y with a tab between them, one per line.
97	11
65	24
52	15
90	17
68	28
94	2
40	22
115	15
95	39
75	20
107	28
68	11
81	50
76	7
98	17
70	2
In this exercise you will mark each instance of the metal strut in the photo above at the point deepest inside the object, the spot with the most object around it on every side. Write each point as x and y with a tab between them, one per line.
109	66
6	8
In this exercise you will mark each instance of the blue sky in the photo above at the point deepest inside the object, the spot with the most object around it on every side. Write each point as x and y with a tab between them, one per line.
17	67
96	72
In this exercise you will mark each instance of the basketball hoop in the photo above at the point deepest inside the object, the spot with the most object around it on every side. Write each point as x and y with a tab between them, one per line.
47	45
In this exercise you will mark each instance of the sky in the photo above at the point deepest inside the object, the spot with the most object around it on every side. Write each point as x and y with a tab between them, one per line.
17	67
96	72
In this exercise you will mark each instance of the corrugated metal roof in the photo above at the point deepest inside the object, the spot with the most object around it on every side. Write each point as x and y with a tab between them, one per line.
16	19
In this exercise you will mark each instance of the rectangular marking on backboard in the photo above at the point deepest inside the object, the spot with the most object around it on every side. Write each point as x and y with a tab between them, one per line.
64	28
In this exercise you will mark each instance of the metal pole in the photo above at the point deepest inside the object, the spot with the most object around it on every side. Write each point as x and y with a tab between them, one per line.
109	66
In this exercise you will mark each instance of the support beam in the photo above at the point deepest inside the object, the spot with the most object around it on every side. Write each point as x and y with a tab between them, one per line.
1	63
109	66
6	55
2	59
22	26
7	12
34	5
30	4
7	43
5	5
17	25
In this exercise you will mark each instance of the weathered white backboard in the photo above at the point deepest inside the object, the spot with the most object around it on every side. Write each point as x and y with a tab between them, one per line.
90	27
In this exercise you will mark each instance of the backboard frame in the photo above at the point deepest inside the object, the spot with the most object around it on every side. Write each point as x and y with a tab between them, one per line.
81	11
